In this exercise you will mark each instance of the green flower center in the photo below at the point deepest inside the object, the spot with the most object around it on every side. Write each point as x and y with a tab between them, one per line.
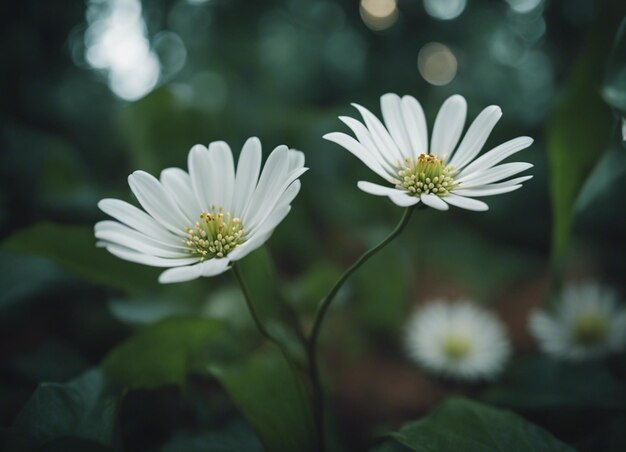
590	329
215	235
427	175
456	346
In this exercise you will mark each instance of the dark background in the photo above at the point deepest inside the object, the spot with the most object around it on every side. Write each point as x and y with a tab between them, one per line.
72	130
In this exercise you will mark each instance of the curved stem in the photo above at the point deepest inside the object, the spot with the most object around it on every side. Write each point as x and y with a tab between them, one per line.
318	395
253	312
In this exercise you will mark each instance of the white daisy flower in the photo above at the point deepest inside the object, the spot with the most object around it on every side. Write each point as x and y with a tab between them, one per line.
458	340
438	175
197	223
587	323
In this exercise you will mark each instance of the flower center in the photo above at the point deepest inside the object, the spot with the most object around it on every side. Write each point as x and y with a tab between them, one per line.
427	175
456	346
215	235
590	329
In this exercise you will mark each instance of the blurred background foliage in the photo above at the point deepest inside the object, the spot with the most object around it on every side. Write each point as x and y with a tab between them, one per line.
93	90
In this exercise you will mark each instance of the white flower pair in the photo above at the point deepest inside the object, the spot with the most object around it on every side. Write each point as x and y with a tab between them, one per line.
196	223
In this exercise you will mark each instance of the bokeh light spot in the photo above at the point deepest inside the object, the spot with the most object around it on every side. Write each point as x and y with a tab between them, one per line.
444	9
437	64
379	14
116	42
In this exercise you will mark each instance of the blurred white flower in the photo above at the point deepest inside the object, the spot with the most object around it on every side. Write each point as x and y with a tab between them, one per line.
197	223
458	340
587	323
437	175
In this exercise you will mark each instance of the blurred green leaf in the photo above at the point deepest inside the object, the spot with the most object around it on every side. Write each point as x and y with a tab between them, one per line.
272	399
609	170
465	425
306	292
161	129
381	302
53	361
614	90
22	277
165	352
81	408
74	248
579	128
234	437
260	277
540	383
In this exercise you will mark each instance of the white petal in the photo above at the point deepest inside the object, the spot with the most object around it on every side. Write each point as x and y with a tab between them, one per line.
476	136
270	222
153	261
378	190
364	137
486	190
465	203
222	175
180	274
296	159
209	268
403	199
116	233
243	250
448	126
380	135
178	183
497	154
157	202
415	123
433	201
272	177
272	197
135	218
493	174
248	169
288	195
358	150
199	166
392	114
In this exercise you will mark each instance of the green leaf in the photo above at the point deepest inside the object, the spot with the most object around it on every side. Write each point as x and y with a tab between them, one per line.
81	408
272	399
541	383
465	425
22	277
579	129
160	129
165	352
74	248
614	90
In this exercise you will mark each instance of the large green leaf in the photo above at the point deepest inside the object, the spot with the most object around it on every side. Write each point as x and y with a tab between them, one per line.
272	399
74	248
165	352
465	425
81	408
579	128
540	383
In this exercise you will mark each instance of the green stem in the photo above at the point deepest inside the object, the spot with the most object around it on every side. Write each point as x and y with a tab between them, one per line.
253	312
318	394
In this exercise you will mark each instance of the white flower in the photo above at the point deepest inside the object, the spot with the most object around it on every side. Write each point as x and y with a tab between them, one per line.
587	323
197	223
458	340
437	175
